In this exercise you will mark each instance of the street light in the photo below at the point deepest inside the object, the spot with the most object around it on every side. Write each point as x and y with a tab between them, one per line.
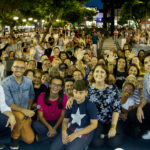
16	18
35	20
24	20
30	19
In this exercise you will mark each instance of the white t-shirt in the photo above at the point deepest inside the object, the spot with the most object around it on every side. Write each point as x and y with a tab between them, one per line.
130	102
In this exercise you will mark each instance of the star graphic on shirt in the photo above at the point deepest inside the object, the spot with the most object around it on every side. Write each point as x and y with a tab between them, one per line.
76	118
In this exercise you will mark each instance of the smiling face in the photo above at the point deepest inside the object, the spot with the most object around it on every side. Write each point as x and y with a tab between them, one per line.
37	78
79	96
121	63
69	87
18	68
99	74
55	86
77	75
128	90
147	64
133	71
136	61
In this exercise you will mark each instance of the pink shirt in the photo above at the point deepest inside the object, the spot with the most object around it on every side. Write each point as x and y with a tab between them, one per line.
51	112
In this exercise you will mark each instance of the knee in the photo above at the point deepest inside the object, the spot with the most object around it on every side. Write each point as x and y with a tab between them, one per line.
18	115
28	140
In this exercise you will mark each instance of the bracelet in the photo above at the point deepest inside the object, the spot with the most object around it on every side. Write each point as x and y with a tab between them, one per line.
113	126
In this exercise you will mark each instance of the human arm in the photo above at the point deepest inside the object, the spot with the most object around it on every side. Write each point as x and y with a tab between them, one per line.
140	113
11	119
25	111
51	131
116	110
93	125
112	131
64	131
145	96
59	120
30	103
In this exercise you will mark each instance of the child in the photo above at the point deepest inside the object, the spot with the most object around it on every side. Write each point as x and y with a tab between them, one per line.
79	121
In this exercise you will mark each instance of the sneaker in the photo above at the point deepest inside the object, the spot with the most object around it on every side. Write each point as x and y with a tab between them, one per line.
14	144
146	136
2	146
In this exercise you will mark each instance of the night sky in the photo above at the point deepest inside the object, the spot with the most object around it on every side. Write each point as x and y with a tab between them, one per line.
95	3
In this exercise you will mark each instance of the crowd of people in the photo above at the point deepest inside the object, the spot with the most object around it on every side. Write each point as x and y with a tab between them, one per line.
59	90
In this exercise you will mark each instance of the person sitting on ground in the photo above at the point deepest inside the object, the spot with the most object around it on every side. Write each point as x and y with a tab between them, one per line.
127	100
79	121
52	110
7	118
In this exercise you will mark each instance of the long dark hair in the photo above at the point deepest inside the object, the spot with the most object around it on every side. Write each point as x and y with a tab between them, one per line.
60	98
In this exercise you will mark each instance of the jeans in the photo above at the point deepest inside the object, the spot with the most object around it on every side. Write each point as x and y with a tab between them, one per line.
100	136
42	130
77	144
3	130
115	39
133	127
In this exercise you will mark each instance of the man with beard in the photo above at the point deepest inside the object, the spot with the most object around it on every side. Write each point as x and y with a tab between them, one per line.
19	95
69	87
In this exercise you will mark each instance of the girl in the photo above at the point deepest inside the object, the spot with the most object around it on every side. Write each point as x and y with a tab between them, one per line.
52	110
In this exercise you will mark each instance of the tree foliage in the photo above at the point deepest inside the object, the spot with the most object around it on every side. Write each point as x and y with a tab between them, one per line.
136	10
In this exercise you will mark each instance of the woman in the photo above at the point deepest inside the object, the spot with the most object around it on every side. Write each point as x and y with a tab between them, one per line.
127	100
108	103
136	60
133	70
120	72
38	86
51	113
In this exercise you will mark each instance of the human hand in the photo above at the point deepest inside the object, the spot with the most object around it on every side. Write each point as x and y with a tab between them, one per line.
69	103
65	138
112	132
140	114
11	121
132	54
72	137
52	132
28	113
79	55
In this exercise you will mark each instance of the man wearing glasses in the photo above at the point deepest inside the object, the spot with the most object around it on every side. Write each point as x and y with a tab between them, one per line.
19	95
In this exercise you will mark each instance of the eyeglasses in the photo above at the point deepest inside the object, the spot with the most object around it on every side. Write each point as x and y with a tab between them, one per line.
17	67
57	85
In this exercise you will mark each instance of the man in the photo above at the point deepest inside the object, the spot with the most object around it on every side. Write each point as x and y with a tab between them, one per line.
69	87
139	119
94	45
116	36
6	118
19	94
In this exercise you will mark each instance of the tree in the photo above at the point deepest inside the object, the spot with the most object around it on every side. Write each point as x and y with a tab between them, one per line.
50	10
135	10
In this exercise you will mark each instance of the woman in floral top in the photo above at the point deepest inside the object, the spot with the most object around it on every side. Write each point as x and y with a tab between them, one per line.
108	103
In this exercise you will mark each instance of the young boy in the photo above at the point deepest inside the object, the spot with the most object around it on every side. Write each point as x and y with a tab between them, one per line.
79	121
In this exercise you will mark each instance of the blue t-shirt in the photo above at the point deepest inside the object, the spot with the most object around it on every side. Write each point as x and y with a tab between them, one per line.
79	117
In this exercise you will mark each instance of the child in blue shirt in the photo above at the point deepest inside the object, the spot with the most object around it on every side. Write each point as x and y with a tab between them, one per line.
79	121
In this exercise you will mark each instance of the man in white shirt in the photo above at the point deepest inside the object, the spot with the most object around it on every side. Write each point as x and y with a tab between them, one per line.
7	119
